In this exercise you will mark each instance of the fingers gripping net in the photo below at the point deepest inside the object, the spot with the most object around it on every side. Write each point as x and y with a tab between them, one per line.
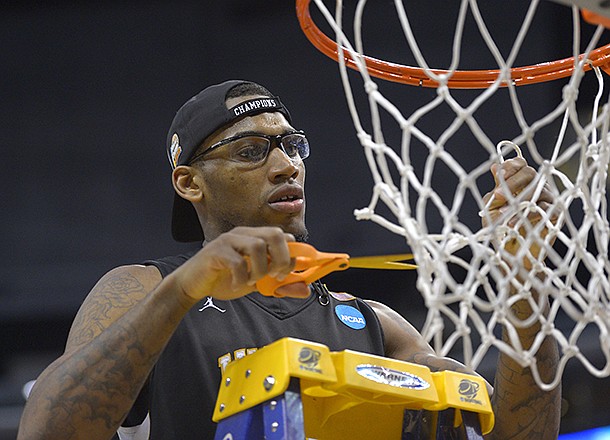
471	276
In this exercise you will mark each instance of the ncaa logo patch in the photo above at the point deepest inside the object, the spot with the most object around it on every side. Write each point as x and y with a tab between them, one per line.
350	316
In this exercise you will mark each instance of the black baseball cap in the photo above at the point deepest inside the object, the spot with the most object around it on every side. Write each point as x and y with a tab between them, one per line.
201	116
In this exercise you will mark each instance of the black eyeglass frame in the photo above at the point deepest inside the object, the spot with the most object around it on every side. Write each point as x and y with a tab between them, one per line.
274	141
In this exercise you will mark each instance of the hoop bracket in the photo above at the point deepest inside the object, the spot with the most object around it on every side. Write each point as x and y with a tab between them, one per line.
596	19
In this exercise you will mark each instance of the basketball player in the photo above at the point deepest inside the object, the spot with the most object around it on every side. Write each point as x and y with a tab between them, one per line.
149	343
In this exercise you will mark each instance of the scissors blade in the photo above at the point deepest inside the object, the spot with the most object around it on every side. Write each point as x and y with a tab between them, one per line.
392	262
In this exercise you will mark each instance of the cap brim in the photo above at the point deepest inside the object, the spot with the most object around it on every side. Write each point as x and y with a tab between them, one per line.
185	222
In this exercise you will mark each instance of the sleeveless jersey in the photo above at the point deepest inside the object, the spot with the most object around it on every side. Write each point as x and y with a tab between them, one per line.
182	389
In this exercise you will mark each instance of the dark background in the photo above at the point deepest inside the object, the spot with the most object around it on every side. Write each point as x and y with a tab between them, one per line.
88	92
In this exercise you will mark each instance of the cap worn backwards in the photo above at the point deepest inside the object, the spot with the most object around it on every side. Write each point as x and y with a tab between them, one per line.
197	119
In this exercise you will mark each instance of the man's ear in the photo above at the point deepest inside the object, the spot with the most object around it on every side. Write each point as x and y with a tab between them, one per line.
186	182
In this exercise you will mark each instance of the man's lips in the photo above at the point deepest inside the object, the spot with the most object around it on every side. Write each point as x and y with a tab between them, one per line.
288	199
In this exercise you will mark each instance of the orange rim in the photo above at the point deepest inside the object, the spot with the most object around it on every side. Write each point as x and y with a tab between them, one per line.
460	79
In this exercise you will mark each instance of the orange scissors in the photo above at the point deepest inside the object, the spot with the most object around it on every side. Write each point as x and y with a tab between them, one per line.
312	265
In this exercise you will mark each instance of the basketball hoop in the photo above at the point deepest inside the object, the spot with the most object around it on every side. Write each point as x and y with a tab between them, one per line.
459	79
425	175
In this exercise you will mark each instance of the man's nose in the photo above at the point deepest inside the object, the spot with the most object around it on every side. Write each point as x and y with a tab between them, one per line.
281	166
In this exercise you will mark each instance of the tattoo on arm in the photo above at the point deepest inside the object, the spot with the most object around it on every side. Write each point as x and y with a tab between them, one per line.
114	342
98	402
113	296
531	414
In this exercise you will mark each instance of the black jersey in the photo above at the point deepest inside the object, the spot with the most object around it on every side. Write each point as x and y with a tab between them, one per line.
182	389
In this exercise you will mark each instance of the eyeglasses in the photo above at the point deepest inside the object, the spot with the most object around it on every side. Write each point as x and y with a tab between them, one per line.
253	148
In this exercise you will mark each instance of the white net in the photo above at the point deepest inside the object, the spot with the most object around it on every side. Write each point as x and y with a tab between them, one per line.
426	188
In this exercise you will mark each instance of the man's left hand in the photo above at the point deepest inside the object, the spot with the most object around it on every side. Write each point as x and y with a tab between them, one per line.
515	184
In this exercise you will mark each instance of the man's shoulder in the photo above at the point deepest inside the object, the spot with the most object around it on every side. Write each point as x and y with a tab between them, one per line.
128	283
113	295
378	306
140	273
137	280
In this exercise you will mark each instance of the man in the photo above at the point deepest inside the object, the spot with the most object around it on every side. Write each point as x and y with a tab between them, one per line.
164	330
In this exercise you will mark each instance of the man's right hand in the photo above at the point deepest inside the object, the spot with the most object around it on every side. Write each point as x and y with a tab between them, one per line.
229	266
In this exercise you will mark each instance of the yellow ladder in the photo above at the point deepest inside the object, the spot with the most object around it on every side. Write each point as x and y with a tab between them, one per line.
296	389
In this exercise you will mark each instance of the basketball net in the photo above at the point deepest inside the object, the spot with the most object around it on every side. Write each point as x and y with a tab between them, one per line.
467	278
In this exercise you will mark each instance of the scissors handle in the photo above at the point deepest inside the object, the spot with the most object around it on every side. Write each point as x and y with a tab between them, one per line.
310	265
